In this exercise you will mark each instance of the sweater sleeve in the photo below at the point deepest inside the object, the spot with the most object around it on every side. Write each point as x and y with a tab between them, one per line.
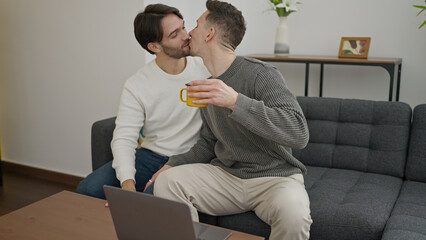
129	122
201	152
274	113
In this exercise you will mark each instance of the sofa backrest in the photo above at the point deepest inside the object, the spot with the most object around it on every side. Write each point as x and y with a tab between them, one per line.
363	135
416	163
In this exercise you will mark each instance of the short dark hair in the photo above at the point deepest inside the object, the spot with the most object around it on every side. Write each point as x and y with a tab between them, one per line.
147	24
228	20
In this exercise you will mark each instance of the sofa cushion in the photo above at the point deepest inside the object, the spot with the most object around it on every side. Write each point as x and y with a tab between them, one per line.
368	136
205	218
416	163
348	204
245	222
408	219
345	204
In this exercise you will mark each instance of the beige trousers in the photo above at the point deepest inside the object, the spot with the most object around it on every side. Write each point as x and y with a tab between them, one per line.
281	202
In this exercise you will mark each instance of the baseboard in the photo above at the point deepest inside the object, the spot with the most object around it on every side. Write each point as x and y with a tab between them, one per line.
41	173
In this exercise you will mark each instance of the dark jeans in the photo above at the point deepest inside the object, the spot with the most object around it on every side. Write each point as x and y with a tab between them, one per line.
147	163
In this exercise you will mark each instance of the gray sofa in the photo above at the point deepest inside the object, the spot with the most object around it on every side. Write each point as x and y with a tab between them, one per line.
359	181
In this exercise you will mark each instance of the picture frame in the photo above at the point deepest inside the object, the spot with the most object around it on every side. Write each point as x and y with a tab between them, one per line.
354	47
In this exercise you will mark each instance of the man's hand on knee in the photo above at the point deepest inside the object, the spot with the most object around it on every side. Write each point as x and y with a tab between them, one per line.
152	180
129	184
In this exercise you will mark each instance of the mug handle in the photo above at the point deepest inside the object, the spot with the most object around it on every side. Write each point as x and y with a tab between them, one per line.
181	94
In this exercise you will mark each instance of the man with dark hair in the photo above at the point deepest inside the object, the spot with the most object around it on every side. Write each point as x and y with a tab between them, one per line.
243	159
150	100
148	25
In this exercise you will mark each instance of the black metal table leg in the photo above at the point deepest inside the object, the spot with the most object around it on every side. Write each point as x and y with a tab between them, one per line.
306	79
391	70
398	83
321	79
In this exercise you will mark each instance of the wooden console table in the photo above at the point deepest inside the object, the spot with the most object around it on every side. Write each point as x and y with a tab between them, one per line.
388	64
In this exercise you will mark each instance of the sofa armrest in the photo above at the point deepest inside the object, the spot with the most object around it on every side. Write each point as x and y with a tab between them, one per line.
101	142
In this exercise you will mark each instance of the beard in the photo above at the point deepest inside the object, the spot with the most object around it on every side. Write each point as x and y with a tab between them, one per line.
176	52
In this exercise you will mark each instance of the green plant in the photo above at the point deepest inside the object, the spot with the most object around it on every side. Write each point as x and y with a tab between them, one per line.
284	7
422	9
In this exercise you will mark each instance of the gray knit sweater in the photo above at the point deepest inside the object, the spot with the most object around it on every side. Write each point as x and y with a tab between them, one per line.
254	140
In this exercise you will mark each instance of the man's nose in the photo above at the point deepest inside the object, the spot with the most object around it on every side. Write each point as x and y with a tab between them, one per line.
185	35
190	34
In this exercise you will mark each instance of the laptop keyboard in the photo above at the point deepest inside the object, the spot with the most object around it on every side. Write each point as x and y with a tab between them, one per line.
199	230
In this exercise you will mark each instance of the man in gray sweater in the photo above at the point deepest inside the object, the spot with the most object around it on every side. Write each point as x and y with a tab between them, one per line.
243	159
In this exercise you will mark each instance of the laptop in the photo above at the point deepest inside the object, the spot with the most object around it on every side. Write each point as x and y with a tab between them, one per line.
139	215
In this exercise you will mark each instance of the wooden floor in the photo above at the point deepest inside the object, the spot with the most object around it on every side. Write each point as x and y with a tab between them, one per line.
19	190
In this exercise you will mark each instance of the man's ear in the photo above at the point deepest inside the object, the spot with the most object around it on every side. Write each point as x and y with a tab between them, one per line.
154	47
211	35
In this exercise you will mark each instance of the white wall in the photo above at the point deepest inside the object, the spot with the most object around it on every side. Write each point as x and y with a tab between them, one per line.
63	63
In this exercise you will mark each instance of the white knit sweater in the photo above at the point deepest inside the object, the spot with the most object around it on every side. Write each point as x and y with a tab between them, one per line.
150	99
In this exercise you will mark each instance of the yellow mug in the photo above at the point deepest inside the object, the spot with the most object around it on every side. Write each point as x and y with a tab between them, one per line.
190	99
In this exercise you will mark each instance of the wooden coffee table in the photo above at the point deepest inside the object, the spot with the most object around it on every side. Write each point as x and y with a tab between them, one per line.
68	215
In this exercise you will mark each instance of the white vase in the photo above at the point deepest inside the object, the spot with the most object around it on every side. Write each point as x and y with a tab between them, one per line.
282	45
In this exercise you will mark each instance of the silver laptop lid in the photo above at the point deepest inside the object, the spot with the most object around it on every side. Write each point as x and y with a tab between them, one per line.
142	216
